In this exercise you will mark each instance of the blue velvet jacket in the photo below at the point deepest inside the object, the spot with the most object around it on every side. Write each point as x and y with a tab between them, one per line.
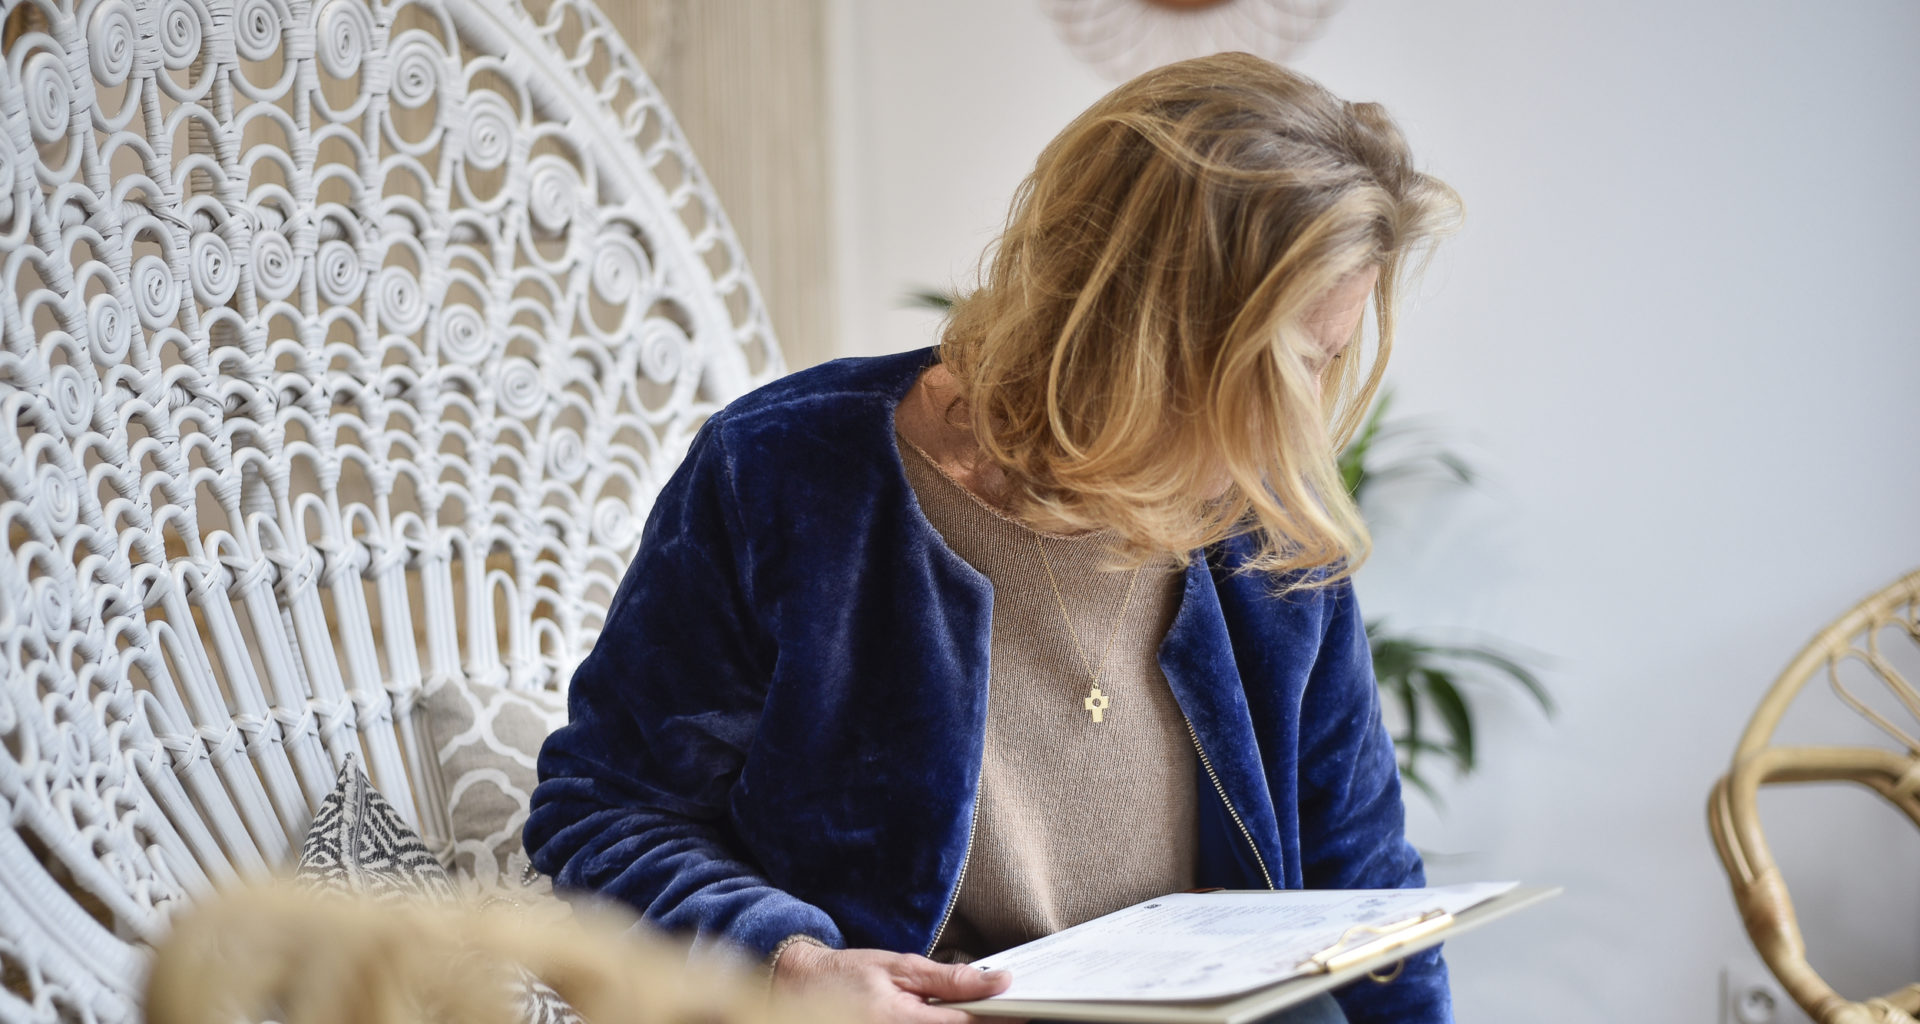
780	727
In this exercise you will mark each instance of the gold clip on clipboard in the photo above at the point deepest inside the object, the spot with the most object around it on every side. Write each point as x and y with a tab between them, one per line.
1353	945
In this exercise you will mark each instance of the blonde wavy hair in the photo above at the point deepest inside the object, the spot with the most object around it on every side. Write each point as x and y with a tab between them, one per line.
1136	329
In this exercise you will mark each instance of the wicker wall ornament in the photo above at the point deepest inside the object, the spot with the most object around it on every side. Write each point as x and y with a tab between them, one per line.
1858	648
343	345
1122	38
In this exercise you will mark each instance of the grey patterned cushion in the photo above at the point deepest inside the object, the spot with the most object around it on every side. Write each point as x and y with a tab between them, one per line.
487	739
358	844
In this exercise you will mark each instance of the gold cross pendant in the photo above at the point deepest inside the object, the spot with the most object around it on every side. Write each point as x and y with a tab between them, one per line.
1097	704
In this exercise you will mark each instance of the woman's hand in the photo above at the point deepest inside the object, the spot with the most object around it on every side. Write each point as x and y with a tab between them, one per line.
893	988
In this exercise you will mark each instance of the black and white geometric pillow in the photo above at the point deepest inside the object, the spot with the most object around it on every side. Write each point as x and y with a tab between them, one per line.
359	845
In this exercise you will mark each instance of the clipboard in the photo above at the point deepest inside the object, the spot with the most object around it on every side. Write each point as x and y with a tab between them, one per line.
1360	952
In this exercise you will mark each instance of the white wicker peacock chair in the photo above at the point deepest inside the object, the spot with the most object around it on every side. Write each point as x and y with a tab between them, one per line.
345	346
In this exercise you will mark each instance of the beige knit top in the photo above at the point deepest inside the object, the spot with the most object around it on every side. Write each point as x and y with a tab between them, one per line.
1074	818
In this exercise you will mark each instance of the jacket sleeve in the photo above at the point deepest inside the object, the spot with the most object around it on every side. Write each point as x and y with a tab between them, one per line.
633	793
1352	823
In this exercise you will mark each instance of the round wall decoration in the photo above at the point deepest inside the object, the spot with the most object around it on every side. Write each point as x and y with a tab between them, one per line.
1125	37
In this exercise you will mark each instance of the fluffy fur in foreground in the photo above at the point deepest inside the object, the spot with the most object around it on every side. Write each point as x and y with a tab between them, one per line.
281	952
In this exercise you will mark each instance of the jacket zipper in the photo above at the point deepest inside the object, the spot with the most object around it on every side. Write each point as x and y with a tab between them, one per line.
966	855
1207	763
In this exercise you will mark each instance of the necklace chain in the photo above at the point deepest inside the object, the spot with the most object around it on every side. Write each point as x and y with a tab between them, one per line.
1092	671
1096	702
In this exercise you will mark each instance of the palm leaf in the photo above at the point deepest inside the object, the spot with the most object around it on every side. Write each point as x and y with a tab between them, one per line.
1362	464
931	298
1411	775
1453	711
1500	662
1418	675
1352	460
1410	711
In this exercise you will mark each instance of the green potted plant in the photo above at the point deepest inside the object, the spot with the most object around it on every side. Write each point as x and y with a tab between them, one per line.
1422	677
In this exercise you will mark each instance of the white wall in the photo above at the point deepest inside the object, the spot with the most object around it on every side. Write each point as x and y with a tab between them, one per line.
1676	333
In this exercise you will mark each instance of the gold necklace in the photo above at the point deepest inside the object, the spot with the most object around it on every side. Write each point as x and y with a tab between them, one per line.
1096	703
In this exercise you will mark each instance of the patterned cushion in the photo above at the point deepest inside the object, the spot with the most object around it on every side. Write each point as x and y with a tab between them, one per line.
487	739
358	844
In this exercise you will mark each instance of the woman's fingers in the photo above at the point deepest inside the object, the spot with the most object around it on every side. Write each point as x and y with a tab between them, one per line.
920	1013
892	987
951	982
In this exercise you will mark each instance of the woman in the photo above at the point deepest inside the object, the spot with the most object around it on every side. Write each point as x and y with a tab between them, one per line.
925	655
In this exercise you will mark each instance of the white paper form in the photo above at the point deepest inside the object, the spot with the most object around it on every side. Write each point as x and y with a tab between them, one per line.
1210	945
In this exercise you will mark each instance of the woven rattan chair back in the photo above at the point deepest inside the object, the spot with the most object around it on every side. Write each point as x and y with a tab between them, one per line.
343	345
1860	644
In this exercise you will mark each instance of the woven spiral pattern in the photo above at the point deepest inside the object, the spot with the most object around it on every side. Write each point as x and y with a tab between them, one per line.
343	346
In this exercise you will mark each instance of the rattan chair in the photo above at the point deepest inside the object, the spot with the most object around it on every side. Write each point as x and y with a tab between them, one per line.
343	345
1861	637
